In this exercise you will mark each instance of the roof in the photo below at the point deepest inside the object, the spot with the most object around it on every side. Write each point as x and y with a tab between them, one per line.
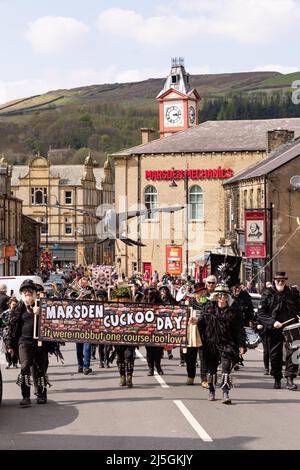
276	159
217	136
70	175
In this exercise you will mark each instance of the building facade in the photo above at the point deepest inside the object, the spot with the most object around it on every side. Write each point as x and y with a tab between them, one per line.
185	168
64	199
273	187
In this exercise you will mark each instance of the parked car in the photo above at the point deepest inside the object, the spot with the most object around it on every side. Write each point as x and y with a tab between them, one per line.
13	283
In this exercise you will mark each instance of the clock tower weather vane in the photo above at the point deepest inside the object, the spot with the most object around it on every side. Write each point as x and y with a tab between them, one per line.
178	101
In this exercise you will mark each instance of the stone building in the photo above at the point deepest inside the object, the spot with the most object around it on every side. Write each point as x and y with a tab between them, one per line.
269	185
64	199
189	166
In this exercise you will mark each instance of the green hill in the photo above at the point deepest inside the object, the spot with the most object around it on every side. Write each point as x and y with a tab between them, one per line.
105	118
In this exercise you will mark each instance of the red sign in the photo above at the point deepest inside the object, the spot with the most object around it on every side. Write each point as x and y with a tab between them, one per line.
199	173
255	251
255	233
174	260
9	251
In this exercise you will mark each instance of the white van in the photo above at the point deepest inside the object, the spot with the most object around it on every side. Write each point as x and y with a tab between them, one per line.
13	283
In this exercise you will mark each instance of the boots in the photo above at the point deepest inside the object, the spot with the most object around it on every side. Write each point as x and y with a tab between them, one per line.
121	366
129	367
25	402
41	396
129	381
211	386
277	384
290	384
158	368
151	371
225	388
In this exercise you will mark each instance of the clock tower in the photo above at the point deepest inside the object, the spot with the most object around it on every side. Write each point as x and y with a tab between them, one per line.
178	101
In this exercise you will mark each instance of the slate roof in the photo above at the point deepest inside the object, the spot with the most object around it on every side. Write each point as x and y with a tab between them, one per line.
217	136
276	159
70	175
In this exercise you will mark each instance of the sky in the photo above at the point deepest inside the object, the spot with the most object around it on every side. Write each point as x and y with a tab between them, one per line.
52	44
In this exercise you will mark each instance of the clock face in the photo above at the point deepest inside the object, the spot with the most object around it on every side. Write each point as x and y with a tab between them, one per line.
173	114
192	114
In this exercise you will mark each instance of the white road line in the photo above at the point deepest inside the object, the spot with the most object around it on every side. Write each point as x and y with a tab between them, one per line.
261	350
159	379
193	422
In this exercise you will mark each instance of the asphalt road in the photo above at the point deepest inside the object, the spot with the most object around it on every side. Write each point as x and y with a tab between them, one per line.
93	412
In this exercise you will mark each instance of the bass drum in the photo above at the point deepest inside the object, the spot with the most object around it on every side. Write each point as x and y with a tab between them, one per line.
252	338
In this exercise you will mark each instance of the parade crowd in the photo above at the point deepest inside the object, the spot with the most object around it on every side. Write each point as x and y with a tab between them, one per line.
219	323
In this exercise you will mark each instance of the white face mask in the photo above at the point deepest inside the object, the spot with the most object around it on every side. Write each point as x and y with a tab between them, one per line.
29	299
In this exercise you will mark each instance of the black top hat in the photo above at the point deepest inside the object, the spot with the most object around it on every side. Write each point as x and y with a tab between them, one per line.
280	275
199	286
29	284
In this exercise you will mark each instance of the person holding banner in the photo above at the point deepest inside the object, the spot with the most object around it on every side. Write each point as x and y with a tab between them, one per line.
125	362
154	353
20	341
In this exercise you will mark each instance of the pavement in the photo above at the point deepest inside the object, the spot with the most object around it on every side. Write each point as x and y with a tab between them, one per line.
159	412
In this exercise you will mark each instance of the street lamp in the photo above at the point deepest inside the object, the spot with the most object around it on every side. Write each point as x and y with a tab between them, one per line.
173	184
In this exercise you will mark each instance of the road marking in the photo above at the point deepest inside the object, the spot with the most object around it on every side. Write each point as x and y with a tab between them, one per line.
158	377
261	350
193	422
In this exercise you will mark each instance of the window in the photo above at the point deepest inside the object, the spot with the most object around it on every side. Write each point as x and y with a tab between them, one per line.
68	229
195	203
38	196
150	201
175	78
258	202
44	227
68	197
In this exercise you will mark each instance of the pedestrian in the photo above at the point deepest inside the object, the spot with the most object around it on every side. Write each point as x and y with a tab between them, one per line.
223	337
5	318
3	298
21	342
280	305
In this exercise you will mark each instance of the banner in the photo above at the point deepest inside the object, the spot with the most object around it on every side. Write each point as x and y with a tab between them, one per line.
255	233
112	323
174	260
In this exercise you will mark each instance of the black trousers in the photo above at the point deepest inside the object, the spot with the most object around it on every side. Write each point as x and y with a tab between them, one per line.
191	359
266	349
104	352
34	361
125	357
154	356
275	341
213	360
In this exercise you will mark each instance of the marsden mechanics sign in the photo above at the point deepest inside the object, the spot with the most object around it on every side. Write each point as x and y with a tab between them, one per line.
198	173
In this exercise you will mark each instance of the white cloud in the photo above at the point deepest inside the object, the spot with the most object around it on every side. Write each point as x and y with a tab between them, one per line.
277	68
247	21
55	34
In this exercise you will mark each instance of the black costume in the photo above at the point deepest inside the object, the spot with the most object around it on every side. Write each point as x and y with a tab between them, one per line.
222	335
125	361
20	339
279	306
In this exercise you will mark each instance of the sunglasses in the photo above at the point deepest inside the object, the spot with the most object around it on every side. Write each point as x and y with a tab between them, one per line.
210	282
280	280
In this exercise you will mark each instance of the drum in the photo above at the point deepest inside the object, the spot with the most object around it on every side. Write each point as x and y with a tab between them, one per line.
252	339
291	335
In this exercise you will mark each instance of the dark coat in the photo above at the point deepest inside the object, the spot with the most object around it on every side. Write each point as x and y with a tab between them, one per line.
246	307
278	306
3	302
222	330
15	326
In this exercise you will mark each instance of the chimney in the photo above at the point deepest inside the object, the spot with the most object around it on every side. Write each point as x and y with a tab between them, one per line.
5	177
278	137
147	134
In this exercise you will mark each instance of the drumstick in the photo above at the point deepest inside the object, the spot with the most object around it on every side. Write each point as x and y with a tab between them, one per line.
287	321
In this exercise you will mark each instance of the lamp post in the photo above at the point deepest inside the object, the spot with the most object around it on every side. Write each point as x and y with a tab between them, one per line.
173	184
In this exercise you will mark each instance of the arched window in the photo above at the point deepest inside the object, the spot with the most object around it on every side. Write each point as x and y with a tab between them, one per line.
195	203
150	201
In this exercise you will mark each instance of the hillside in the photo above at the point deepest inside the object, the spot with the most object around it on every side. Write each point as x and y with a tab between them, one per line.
105	118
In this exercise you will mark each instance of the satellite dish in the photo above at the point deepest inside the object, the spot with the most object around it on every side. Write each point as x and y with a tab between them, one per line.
295	181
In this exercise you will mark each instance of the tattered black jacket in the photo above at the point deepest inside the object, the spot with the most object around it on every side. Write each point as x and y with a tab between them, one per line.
278	306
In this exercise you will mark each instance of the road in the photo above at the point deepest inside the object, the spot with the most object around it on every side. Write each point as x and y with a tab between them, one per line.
93	412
